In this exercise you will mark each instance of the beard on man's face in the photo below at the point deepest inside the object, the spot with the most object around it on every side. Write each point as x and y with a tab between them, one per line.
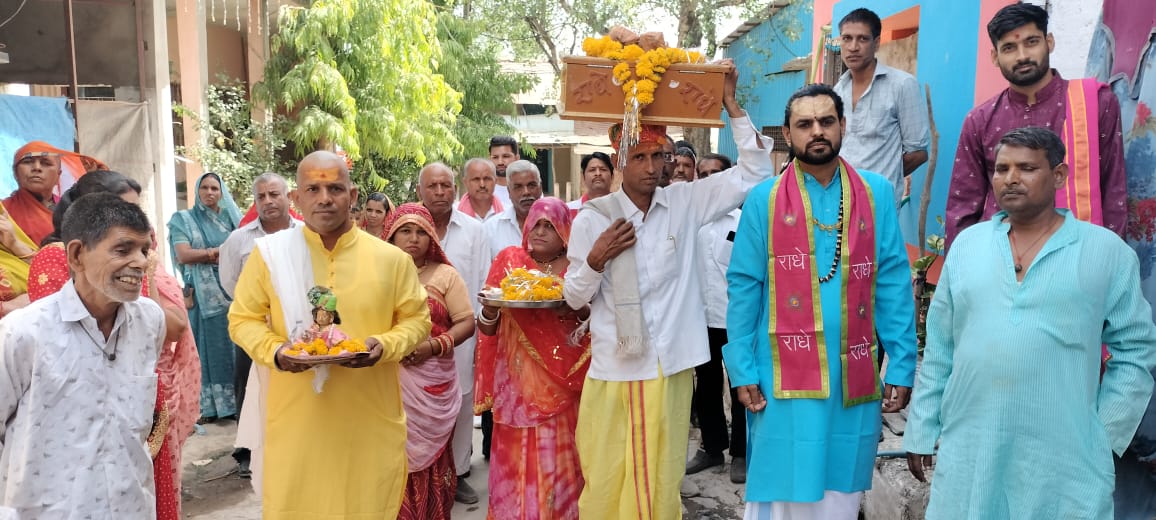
1025	73
807	156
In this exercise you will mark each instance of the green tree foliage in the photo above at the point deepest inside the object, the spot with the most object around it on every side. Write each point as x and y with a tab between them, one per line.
471	66
548	30
362	75
236	147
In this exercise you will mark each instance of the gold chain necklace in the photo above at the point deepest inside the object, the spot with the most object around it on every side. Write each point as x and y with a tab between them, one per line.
830	228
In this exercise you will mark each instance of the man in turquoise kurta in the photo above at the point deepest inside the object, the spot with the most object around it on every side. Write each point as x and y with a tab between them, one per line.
811	457
1011	383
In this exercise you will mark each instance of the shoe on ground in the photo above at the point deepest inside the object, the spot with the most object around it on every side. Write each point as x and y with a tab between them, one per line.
703	460
465	493
243	470
739	470
688	489
477	422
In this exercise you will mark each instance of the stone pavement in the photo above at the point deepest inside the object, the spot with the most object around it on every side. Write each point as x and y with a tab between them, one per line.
212	491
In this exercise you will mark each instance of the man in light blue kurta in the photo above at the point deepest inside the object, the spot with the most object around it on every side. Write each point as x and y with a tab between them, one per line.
1010	383
802	449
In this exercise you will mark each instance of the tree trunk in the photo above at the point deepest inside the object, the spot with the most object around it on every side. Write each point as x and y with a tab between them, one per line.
932	155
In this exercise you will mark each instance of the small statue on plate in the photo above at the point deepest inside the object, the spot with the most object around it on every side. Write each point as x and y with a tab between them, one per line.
325	318
323	337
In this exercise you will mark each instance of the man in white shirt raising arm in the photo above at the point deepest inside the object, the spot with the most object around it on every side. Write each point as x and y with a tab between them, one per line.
632	258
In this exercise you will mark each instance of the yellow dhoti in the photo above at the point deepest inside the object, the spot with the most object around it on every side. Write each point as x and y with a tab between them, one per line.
632	440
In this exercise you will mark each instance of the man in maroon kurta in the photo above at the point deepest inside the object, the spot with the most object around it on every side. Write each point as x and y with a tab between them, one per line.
1036	96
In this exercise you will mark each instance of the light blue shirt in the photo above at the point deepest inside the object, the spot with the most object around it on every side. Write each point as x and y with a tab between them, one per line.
1010	383
890	120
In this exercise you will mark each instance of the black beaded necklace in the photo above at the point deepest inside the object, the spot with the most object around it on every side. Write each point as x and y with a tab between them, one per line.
838	245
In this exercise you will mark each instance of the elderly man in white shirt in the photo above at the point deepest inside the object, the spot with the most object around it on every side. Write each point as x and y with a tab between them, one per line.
480	201
464	241
271	195
525	183
632	258
78	380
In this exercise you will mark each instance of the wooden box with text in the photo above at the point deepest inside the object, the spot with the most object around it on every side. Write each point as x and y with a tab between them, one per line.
688	95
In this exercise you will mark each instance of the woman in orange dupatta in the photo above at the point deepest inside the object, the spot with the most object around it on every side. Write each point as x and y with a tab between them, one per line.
429	379
42	173
530	374
178	367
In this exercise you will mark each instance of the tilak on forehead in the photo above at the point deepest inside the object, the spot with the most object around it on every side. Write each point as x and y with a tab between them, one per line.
321	174
813	107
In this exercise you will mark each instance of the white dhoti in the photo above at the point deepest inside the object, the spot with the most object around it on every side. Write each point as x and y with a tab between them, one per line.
251	423
835	505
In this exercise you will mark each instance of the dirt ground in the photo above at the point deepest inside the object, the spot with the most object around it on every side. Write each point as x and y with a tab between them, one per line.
212	490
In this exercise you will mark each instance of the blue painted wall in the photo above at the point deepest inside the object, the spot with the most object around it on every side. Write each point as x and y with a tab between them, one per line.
759	56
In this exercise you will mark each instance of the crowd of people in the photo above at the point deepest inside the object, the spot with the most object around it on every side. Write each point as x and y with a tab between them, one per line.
684	275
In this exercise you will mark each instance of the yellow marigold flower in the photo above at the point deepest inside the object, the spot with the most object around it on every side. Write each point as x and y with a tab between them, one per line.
592	46
632	52
622	72
643	68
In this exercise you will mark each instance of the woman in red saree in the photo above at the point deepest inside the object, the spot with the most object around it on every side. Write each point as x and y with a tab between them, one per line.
529	371
429	379
178	367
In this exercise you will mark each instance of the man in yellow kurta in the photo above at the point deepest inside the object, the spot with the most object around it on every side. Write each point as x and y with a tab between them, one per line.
334	450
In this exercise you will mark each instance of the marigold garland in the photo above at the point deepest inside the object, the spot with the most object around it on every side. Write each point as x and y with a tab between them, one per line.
523	284
640	83
317	347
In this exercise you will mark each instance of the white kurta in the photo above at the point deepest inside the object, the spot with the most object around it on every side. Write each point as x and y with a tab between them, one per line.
715	241
234	251
468	250
503	231
73	424
669	286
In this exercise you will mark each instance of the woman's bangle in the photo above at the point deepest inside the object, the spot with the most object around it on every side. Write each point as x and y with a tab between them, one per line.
487	321
447	343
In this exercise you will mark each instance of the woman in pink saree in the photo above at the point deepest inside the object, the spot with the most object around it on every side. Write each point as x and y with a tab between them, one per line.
429	379
530	371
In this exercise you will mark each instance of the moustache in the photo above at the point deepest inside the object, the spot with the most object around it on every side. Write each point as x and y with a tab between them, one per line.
1012	191
527	200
